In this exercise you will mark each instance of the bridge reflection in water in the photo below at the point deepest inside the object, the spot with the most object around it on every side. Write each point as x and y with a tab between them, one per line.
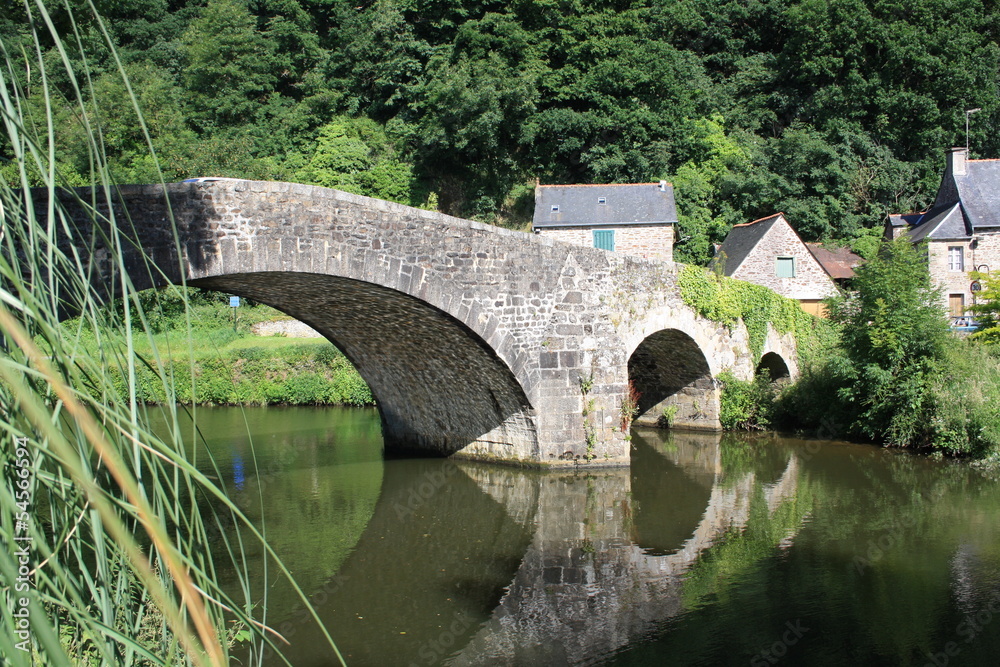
588	587
470	564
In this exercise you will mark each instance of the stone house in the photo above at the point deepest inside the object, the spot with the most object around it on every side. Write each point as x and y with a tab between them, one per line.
637	219
961	229
768	252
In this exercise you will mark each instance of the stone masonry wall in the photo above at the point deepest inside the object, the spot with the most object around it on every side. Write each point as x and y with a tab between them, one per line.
290	328
477	341
649	242
810	281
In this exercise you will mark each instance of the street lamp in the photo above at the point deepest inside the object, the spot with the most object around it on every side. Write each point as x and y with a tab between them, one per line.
968	112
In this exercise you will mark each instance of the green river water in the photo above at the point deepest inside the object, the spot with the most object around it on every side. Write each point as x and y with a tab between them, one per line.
710	550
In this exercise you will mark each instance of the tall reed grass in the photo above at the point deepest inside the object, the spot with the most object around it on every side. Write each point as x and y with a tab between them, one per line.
111	533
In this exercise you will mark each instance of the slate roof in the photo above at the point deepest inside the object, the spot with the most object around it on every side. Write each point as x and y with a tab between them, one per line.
966	202
903	219
838	262
941	222
741	241
624	204
979	193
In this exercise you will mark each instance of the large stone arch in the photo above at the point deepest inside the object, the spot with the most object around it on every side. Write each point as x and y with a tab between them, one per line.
413	298
440	388
674	379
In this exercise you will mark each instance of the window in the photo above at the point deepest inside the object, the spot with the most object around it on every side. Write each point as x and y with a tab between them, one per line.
604	239
555	208
956	258
602	200
785	267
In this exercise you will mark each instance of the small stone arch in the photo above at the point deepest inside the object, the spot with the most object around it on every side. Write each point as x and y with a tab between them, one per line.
674	380
775	366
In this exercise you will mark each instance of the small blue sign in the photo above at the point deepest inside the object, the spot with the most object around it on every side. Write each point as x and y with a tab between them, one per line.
234	301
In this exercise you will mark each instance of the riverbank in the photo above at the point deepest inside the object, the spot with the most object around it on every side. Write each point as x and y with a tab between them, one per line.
219	360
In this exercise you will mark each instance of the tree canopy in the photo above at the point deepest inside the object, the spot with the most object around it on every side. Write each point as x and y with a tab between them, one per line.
833	111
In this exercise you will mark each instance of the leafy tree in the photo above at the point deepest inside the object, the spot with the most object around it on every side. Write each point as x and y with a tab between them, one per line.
230	65
617	100
703	215
841	109
376	58
125	138
357	155
987	308
461	136
894	334
905	73
292	40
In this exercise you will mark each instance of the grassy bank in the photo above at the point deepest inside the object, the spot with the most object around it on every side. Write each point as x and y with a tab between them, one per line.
220	361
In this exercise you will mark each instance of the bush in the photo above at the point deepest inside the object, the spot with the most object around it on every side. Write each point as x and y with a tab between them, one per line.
897	376
894	335
811	404
746	406
966	401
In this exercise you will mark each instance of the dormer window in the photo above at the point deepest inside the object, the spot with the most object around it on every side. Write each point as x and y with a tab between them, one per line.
555	208
602	200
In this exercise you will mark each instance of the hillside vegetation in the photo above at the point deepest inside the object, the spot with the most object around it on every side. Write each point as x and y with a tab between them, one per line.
834	112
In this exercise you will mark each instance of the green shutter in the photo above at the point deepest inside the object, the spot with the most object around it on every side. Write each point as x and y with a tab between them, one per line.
785	267
604	239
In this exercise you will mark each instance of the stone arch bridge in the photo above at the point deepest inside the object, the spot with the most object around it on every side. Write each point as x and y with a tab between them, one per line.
476	341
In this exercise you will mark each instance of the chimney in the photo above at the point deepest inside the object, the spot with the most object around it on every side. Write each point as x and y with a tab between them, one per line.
956	161
663	186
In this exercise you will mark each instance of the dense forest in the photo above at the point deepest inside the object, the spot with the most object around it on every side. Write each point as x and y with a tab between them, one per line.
835	112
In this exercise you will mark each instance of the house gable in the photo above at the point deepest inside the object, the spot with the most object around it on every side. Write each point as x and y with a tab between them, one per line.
768	252
740	244
941	222
975	185
961	229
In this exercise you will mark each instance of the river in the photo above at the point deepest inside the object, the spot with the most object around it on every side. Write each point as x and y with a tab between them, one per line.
733	550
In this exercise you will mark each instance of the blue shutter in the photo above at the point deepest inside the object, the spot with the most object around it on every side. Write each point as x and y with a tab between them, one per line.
604	239
785	267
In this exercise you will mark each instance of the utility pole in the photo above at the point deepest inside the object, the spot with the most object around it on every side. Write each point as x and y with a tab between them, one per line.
968	112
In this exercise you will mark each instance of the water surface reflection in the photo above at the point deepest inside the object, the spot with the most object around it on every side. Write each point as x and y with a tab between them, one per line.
706	551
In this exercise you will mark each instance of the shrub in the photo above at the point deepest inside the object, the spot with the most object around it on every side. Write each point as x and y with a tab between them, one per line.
966	402
894	335
745	406
811	404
